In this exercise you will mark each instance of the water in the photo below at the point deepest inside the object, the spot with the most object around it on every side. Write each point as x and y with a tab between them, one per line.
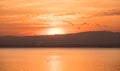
59	59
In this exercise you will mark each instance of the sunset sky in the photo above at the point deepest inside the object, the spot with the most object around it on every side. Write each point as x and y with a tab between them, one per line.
47	17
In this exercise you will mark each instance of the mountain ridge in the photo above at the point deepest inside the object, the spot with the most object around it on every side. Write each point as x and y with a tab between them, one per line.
84	39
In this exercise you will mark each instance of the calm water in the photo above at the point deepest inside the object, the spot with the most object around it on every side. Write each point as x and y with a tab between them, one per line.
59	59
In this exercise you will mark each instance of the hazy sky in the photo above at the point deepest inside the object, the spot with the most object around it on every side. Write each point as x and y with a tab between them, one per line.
41	17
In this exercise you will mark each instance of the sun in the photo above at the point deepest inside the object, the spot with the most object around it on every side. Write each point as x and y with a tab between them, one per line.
55	31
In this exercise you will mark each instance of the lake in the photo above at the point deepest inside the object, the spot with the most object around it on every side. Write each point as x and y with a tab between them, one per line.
59	59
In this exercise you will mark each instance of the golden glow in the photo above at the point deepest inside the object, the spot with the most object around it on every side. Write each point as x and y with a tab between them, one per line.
61	59
26	17
54	63
55	23
55	31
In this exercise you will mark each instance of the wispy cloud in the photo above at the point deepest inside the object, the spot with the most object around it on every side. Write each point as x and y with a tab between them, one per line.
107	13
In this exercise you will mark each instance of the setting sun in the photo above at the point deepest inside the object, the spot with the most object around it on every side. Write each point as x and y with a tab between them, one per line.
55	31
44	17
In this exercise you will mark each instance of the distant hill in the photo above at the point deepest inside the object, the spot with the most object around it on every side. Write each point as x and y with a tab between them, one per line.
85	39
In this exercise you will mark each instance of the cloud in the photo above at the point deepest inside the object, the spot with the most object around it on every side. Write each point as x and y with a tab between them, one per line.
107	13
92	14
6	26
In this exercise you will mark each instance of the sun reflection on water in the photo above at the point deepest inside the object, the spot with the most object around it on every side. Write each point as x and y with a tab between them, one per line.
55	63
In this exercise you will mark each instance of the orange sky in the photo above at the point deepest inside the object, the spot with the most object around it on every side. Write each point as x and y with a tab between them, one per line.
38	17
